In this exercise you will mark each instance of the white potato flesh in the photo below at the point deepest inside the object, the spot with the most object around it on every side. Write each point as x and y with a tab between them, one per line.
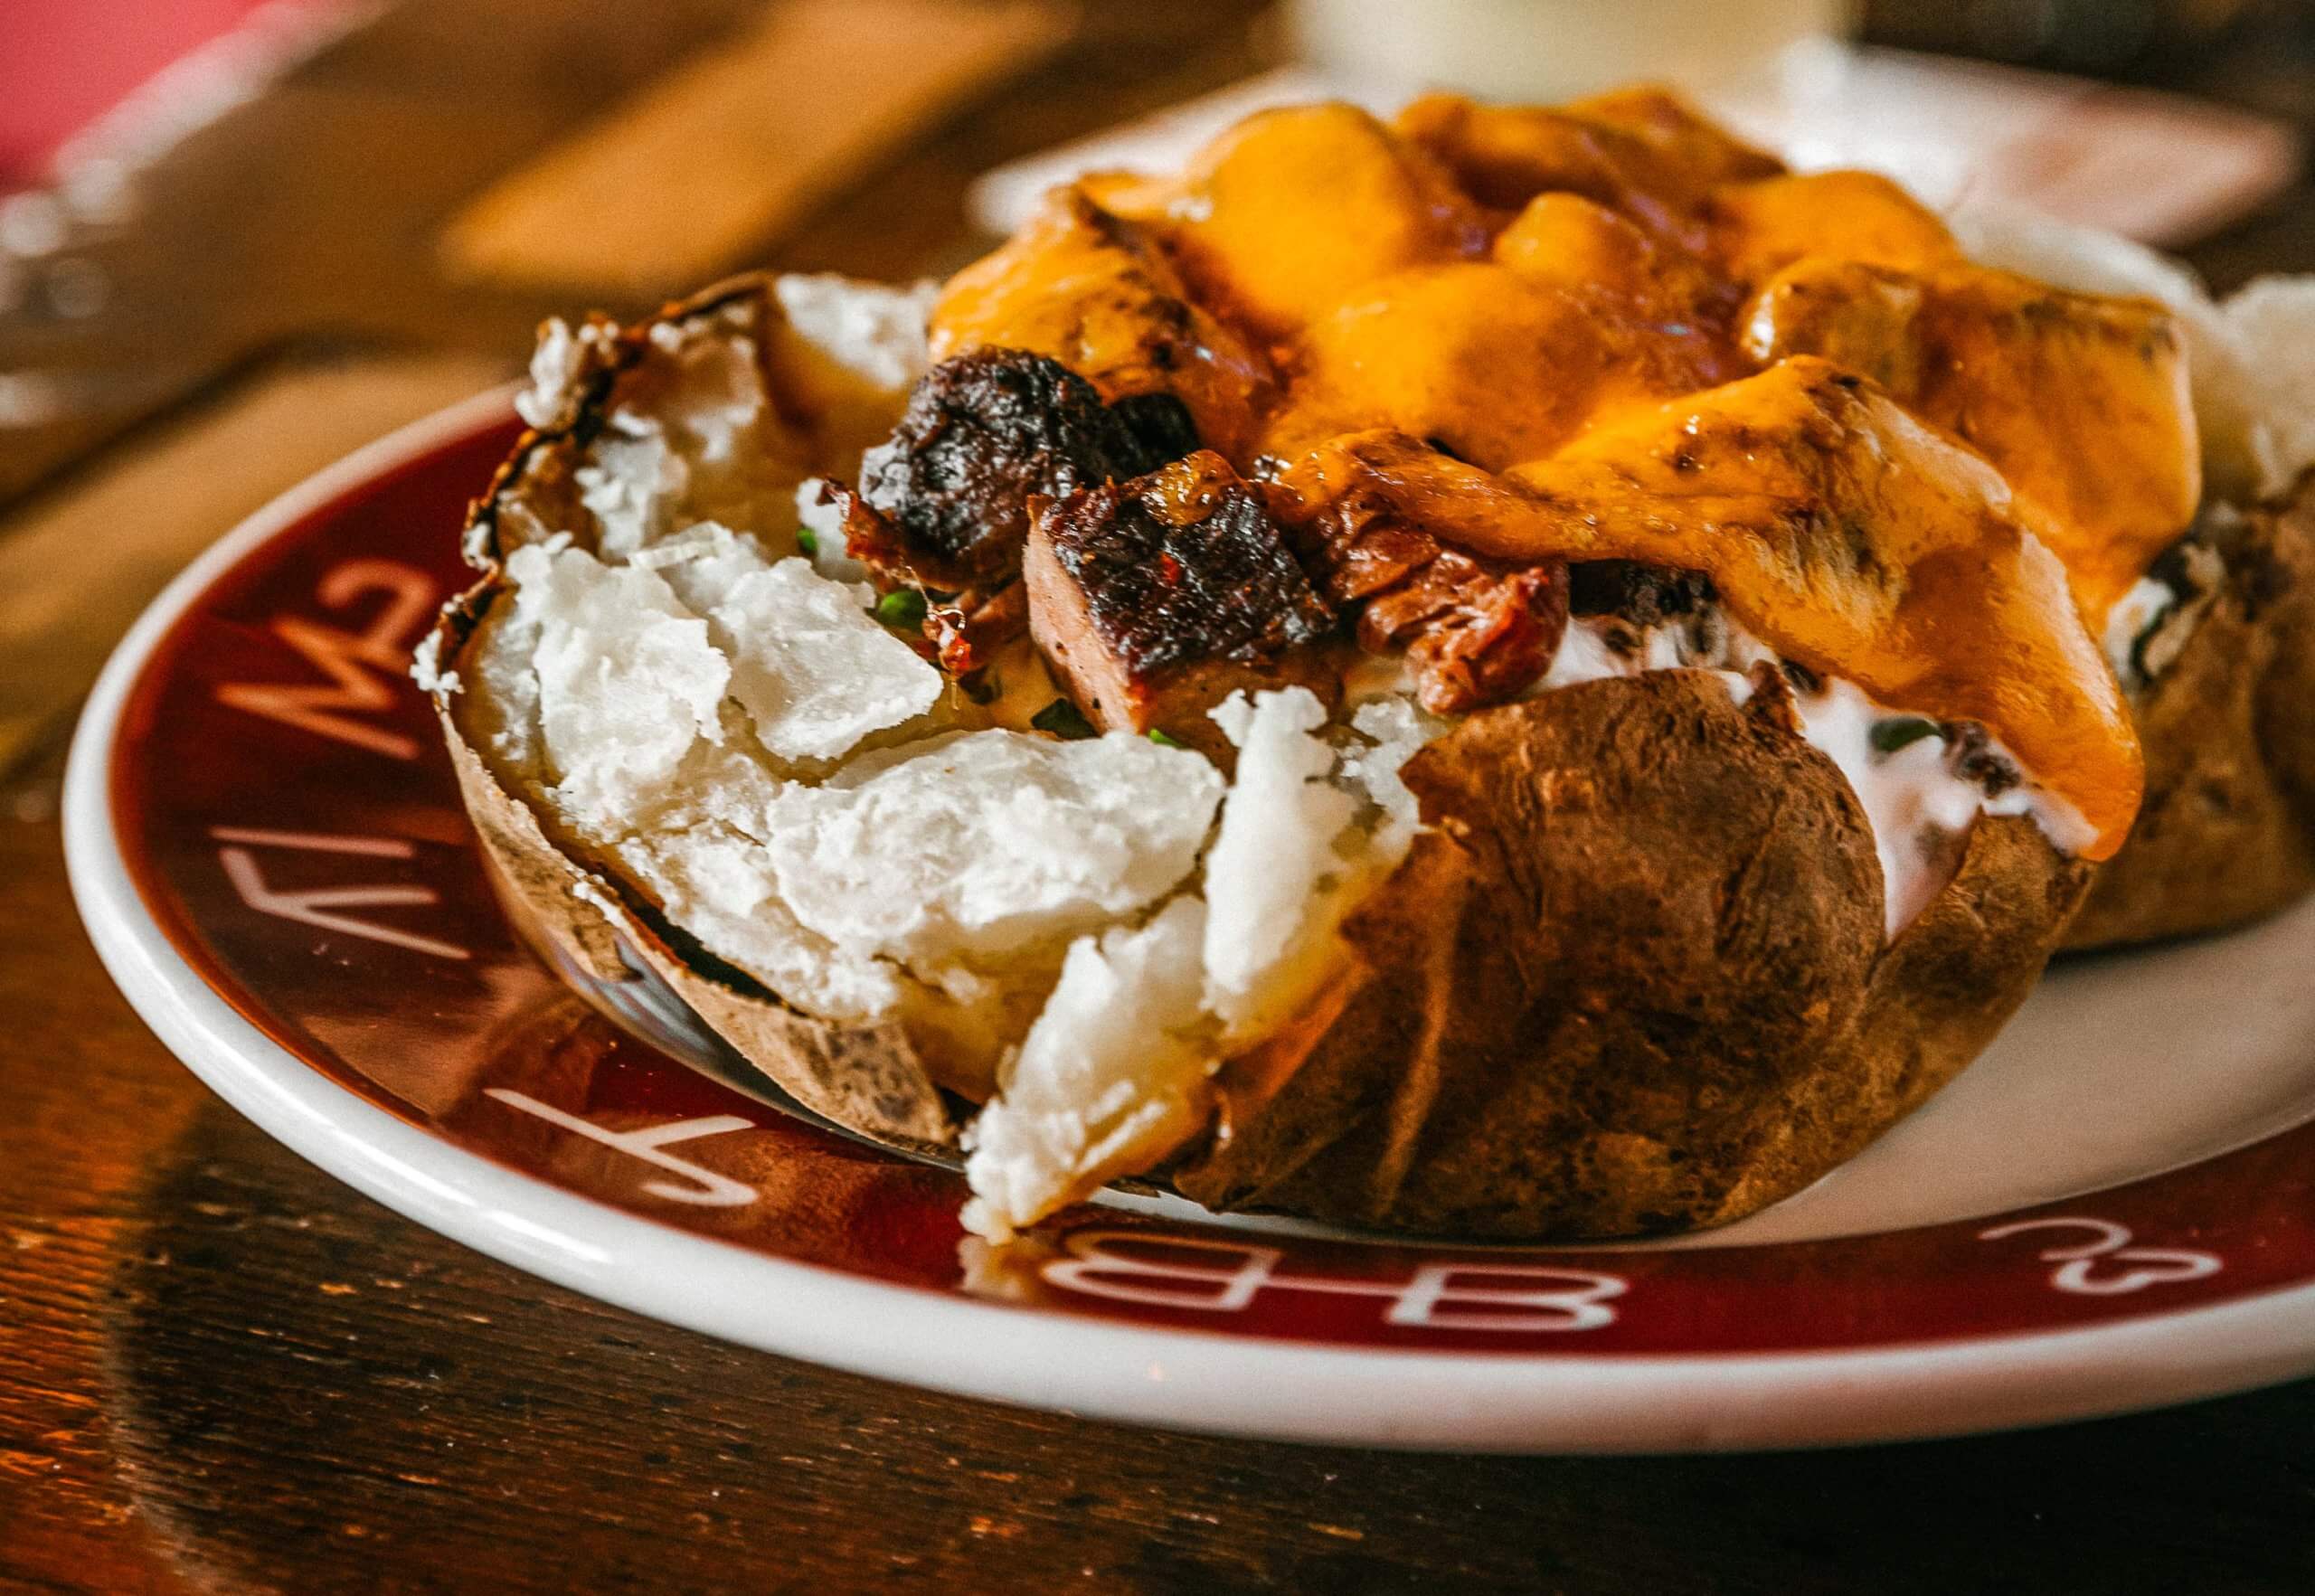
873	330
627	682
811	665
978	846
2275	316
1399	727
1110	1078
704	864
1274	859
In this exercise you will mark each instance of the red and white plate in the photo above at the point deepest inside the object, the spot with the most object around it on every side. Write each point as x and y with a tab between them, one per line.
2114	1208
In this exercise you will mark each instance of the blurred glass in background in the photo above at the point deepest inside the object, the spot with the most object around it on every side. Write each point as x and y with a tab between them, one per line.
1558	49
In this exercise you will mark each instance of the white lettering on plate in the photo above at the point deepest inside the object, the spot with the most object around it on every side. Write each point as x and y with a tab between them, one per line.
347	658
315	842
319	906
1125	1266
2103	1266
708	1189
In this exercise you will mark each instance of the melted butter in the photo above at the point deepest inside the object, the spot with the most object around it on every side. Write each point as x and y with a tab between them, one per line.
1610	330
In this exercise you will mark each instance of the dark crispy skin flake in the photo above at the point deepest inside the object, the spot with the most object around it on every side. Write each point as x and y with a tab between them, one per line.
1645	596
1154	600
943	505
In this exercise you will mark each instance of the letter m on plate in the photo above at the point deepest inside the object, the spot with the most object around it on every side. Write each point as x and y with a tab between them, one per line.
362	667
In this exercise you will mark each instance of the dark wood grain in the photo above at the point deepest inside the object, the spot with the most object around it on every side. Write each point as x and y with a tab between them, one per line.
223	1371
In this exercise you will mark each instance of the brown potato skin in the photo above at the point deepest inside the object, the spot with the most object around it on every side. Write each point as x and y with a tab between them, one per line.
1634	982
2226	833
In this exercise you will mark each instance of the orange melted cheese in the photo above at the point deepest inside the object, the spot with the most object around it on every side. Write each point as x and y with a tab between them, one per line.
1607	330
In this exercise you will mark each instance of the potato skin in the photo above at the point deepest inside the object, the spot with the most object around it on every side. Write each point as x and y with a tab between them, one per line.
1633	982
2226	833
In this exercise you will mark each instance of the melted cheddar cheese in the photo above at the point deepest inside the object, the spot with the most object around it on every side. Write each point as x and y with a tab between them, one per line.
1608	330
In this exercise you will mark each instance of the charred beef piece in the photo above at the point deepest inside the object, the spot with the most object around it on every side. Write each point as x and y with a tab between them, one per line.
944	503
981	434
1154	600
1161	424
1476	631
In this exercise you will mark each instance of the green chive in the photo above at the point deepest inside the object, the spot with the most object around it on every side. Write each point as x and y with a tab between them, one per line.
809	542
1161	740
1061	718
1889	736
902	607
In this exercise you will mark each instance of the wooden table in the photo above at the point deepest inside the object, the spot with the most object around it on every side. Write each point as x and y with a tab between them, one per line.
220	1370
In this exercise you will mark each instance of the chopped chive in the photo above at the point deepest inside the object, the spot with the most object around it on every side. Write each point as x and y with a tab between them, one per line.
809	542
1061	718
1889	736
902	607
1161	740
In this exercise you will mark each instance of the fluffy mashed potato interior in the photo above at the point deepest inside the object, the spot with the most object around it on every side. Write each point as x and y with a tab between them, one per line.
714	733
710	700
1284	848
764	758
1113	1074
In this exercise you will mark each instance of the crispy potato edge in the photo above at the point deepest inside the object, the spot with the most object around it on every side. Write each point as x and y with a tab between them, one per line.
866	1078
2226	833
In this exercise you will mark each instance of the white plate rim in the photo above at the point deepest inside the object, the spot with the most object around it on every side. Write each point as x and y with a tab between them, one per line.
1185	1379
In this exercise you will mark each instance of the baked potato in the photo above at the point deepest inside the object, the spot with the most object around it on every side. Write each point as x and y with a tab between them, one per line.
2216	643
1506	690
2222	678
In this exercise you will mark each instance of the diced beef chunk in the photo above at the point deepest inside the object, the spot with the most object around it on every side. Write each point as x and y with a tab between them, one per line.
1154	600
1476	631
981	434
943	505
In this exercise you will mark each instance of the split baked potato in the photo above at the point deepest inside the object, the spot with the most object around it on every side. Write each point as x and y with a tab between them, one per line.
1509	690
2216	646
